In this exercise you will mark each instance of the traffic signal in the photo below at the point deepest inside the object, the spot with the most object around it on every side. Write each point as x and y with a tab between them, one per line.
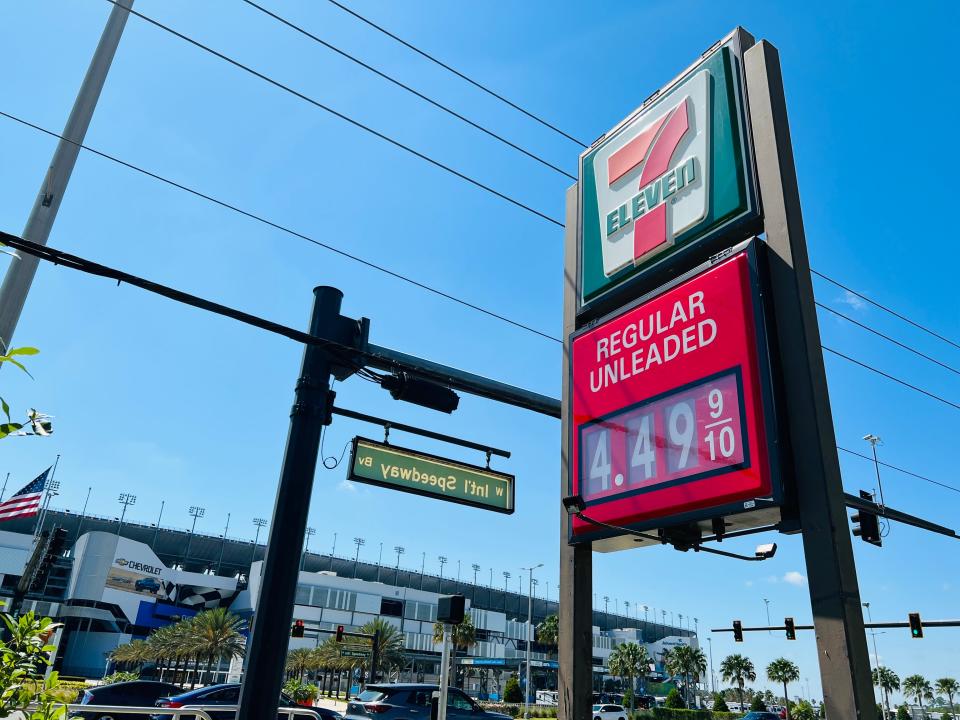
403	386
791	628
297	629
339	633
737	631
916	627
866	524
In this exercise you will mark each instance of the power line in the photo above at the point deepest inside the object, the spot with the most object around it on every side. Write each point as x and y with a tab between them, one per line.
398	83
901	470
887	309
282	228
891	377
459	74
886	337
342	116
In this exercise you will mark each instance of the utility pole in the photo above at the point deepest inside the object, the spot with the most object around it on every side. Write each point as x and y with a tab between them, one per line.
310	532
195	512
526	690
222	544
156	531
260	523
20	273
263	677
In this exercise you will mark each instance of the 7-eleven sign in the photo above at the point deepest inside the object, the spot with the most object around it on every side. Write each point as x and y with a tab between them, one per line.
664	178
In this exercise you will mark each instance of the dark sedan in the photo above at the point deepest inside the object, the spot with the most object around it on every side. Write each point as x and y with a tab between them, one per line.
137	693
229	694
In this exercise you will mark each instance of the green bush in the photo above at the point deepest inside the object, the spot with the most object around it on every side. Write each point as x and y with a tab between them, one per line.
120	677
300	691
24	656
758	703
681	714
903	713
512	692
719	704
674	701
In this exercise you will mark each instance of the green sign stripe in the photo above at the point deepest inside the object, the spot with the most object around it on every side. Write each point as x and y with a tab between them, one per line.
410	471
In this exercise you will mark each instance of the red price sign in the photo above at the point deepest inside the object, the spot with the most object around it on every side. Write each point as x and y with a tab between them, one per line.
669	398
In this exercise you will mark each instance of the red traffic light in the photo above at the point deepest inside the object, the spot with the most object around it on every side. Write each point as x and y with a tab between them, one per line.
339	633
737	631
297	629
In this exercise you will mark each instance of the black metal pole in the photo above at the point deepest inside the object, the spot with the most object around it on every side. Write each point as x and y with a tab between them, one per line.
267	650
374	655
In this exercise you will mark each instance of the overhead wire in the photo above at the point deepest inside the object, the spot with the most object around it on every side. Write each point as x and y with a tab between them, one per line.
901	470
398	83
343	116
886	309
459	74
282	228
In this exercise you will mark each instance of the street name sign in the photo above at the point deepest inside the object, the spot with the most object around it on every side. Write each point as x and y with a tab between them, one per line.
354	653
417	472
672	407
668	183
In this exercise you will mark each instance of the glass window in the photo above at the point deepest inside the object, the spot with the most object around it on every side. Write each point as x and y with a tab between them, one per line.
458	701
370	696
420	698
319	598
303	595
392	608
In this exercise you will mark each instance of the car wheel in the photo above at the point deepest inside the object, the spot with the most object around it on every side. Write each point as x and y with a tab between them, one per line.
597	717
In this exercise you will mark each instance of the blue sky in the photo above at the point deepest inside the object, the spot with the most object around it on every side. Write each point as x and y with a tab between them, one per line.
183	407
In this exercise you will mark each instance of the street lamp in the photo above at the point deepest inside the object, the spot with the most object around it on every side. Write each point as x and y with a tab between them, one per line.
506	579
526	693
606	612
767	603
873	634
195	512
125	499
476	569
443	561
399	550
358	541
306	545
260	523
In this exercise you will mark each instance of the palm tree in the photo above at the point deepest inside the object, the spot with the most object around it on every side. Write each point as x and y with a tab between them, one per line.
627	661
217	636
888	681
785	671
464	636
548	631
688	661
949	687
390	644
739	669
918	687
298	660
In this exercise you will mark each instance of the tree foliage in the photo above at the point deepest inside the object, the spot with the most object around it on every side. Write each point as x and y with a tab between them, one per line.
628	661
917	687
24	656
738	669
675	700
784	671
548	631
511	691
37	422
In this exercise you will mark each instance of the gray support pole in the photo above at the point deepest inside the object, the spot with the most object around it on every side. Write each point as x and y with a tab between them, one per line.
834	592
267	650
19	277
575	676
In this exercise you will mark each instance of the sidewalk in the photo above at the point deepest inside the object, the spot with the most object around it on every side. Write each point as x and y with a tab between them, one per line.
338	705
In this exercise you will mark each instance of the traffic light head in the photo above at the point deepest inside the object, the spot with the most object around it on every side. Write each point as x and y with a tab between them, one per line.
916	627
791	628
339	633
297	629
866	524
737	631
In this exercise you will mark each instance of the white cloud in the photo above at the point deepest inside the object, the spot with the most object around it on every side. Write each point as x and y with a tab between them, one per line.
795	578
854	301
749	583
347	486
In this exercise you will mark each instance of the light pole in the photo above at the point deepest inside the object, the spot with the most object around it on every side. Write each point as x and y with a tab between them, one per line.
606	612
767	603
399	550
51	489
713	686
874	440
260	523
379	562
876	656
476	569
195	512
526	691
358	541
125	499
443	561
506	579
423	567
156	530
308	533
223	544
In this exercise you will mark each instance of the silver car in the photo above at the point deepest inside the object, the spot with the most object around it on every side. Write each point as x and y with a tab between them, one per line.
392	701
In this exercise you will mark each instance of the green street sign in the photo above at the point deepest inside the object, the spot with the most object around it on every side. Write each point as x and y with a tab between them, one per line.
356	648
398	468
354	653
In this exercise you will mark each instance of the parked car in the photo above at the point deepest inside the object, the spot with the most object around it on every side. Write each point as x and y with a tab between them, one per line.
149	584
609	712
229	694
393	701
137	693
761	715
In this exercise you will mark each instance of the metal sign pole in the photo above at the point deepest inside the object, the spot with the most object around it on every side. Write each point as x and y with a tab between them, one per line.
832	575
575	641
444	673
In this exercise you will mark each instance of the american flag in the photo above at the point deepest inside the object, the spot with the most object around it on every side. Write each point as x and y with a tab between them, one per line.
26	501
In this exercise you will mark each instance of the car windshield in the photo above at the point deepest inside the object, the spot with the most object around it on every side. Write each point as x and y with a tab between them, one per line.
596	708
370	696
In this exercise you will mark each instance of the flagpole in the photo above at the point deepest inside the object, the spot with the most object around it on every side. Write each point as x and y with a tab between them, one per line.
4	491
83	513
46	488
